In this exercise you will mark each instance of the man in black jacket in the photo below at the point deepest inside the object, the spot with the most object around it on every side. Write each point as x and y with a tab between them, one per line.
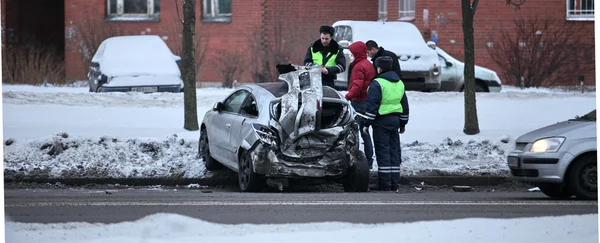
327	53
374	51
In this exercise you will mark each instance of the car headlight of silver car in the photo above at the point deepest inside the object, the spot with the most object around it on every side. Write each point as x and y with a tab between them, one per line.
265	134
544	145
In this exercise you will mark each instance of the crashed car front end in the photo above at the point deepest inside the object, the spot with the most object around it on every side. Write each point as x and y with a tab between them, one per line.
309	134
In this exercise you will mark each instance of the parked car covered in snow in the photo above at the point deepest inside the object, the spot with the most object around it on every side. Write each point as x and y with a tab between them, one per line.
419	63
142	63
453	78
277	132
561	159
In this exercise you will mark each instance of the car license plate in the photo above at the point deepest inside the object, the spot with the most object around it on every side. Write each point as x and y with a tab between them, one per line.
513	162
144	89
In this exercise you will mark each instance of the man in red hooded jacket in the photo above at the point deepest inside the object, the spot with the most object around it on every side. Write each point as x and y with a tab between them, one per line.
360	74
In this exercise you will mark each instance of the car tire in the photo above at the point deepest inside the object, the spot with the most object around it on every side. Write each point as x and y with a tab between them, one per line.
357	179
553	190
204	152
480	87
583	177
248	180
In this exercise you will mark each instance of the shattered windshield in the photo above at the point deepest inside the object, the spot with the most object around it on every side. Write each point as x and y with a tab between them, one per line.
591	116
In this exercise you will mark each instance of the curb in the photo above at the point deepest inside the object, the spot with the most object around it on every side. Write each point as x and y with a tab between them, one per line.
230	179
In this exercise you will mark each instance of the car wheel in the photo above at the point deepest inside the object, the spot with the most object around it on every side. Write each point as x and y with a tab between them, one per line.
559	191
204	152
358	175
480	87
583	177
248	180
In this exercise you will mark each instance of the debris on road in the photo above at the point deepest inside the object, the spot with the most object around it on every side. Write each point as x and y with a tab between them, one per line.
535	189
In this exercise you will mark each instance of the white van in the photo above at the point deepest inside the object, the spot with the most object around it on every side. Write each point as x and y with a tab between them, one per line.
419	64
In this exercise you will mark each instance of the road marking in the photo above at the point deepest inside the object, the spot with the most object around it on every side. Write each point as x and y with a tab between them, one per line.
303	203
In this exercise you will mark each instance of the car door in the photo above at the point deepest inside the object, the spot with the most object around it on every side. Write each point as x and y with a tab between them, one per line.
449	77
221	126
248	115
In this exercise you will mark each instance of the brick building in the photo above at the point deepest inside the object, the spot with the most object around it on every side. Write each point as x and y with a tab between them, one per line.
226	28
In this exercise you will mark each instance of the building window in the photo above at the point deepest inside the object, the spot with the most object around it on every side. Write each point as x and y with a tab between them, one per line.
406	10
133	10
580	10
383	10
216	11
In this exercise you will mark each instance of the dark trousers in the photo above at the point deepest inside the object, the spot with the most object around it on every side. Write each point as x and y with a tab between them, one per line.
360	106
387	150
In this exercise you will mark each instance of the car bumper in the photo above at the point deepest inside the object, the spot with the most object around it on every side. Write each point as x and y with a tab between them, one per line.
160	88
275	164
421	80
538	167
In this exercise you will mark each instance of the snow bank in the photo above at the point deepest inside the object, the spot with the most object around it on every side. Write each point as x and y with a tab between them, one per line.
175	158
67	157
433	144
166	228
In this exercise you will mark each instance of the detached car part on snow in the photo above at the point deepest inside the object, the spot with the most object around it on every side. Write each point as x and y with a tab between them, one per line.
288	130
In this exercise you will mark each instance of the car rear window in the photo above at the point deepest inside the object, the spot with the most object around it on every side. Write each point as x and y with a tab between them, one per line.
278	89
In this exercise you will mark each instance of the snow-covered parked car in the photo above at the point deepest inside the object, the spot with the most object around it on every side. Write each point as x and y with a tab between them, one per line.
562	159
452	74
142	63
419	64
277	132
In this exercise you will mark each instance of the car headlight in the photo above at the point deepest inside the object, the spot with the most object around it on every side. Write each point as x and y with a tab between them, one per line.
265	134
547	145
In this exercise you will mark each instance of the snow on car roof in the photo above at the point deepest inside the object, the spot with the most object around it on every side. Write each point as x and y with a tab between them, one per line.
137	55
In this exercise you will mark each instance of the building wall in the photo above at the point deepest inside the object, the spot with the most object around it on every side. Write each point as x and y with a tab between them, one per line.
445	18
299	20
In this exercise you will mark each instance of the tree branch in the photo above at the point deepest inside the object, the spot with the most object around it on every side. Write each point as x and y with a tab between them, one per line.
516	3
474	6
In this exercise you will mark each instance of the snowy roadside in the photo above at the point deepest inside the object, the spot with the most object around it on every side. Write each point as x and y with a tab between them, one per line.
181	229
135	135
65	157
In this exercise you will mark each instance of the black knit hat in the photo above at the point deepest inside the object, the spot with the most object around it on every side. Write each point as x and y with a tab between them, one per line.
327	30
384	62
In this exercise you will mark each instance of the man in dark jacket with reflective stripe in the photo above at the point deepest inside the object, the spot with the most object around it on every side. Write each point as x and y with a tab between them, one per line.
387	112
327	53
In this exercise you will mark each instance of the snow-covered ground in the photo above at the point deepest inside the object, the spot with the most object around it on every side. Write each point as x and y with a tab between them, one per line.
167	228
142	135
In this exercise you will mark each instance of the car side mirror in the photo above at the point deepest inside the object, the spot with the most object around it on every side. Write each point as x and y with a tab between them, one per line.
177	59
218	106
94	65
449	64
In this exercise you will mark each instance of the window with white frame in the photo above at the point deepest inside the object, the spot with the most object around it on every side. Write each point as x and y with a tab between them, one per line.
580	10
406	10
135	10
383	10
216	10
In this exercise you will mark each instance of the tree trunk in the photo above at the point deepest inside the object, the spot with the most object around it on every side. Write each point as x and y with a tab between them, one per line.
471	122
189	67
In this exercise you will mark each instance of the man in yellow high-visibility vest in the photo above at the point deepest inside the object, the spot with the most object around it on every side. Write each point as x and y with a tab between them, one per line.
327	53
387	112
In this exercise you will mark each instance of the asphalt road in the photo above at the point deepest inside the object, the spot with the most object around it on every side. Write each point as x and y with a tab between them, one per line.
226	206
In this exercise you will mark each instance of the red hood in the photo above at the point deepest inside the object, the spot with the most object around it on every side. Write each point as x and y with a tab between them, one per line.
358	50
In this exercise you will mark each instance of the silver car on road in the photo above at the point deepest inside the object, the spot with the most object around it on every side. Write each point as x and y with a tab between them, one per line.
274	133
561	159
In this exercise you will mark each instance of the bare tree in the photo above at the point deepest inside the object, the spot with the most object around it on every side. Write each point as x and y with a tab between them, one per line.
89	34
274	42
201	43
471	126
471	121
230	64
32	64
189	66
541	52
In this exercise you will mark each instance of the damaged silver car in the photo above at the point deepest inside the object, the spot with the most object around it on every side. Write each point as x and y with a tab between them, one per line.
279	132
